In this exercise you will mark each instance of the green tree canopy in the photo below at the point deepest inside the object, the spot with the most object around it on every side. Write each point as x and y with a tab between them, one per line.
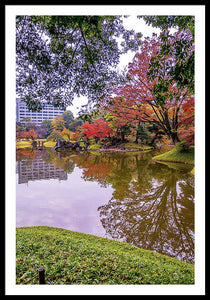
68	117
183	70
165	22
59	57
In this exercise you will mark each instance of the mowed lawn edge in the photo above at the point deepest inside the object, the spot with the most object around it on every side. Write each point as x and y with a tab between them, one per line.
77	258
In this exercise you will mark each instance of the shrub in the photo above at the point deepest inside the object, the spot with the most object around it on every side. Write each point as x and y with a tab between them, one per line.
182	146
95	147
54	136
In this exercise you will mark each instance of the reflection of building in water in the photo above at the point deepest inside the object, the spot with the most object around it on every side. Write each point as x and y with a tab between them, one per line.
38	169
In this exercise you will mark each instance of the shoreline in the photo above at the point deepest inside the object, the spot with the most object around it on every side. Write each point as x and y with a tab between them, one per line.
176	156
122	150
167	156
173	161
90	150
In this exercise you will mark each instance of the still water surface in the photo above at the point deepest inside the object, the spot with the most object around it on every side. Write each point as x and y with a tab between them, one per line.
122	196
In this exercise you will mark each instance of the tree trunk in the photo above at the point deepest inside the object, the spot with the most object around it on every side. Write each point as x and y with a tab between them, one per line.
174	134
174	137
123	136
137	133
171	127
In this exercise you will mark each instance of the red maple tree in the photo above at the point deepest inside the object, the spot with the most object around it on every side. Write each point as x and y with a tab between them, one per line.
186	124
142	98
97	129
26	134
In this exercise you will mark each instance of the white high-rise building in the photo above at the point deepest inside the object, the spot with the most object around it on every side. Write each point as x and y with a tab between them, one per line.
48	112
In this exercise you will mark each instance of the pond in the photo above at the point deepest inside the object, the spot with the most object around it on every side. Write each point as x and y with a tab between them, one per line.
122	196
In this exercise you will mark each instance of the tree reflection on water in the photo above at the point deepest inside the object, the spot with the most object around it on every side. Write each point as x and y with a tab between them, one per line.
152	204
160	218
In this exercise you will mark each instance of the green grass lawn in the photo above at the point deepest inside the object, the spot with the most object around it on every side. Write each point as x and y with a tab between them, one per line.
23	144
175	155
28	144
77	258
49	144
